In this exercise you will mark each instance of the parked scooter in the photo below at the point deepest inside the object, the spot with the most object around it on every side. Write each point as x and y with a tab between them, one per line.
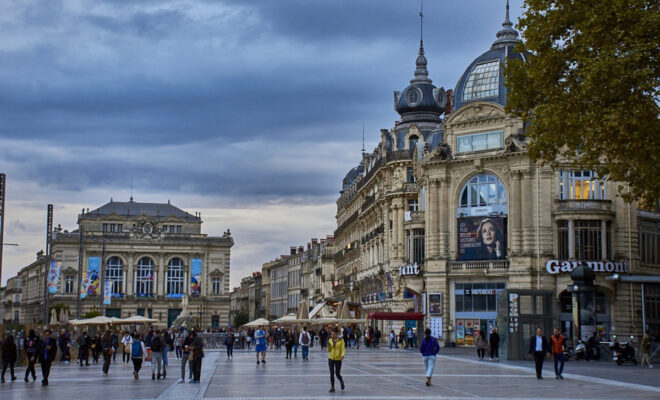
623	353
580	350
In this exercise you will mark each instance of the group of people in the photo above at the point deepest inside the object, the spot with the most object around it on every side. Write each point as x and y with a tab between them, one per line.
490	345
403	339
151	349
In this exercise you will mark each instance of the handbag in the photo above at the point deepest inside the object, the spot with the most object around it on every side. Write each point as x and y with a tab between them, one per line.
190	356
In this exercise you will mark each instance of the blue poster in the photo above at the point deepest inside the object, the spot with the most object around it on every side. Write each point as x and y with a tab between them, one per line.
107	293
93	269
54	276
195	276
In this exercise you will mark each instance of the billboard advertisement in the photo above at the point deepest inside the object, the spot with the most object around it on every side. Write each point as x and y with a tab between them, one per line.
195	276
107	292
54	275
93	269
435	303
482	238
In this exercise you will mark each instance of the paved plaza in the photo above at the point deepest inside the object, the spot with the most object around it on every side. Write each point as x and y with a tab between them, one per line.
368	375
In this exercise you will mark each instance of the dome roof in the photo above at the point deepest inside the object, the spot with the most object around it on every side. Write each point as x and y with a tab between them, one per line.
484	78
421	100
352	175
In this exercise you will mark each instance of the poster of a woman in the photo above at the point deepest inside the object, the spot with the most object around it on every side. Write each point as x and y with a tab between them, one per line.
482	238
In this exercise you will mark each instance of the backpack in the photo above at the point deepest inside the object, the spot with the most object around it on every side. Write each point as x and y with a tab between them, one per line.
106	345
136	349
155	344
305	338
31	345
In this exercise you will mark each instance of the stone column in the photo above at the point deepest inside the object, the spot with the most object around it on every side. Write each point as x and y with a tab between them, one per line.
130	275
603	239
515	213
432	215
160	285
527	204
443	228
402	234
571	239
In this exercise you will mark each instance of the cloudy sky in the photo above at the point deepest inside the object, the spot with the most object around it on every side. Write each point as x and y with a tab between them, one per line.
249	111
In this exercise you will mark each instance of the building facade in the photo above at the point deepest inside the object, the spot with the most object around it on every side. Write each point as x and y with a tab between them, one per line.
449	213
152	255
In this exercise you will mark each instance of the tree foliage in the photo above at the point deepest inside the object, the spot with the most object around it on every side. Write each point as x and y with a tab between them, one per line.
241	319
589	88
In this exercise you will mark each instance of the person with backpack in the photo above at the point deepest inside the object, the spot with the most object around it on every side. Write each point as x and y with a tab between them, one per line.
31	347
157	347
229	342
305	339
429	349
8	357
84	343
47	353
336	353
138	352
107	350
185	358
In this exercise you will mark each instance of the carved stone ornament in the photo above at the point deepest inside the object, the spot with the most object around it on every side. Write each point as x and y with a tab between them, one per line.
477	113
146	229
515	143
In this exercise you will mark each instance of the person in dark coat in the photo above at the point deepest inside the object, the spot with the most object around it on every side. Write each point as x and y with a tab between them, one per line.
31	347
107	350
539	348
47	353
8	357
84	343
494	345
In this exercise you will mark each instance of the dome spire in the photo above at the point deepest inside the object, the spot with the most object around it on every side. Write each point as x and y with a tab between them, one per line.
507	35
421	73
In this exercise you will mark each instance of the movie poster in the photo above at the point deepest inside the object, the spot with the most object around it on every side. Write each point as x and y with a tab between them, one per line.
435	303
195	276
107	292
54	276
83	286
93	269
482	238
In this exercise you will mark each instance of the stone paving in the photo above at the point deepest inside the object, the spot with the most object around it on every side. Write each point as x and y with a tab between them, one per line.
368	374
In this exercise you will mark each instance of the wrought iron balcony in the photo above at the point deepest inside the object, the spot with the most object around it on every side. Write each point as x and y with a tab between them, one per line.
494	265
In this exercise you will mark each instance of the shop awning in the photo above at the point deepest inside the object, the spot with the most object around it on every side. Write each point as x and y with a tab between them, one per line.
396	316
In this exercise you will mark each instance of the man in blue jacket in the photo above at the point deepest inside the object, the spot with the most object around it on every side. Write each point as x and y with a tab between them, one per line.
429	348
539	347
47	352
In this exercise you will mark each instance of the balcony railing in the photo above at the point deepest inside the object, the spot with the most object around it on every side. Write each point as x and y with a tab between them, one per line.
499	265
584	205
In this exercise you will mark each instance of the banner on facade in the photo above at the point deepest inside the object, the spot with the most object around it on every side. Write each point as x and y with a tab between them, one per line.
482	238
107	292
435	303
93	269
195	276
54	275
83	286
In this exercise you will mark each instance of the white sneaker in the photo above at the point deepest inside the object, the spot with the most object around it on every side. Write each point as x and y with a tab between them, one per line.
650	366
181	380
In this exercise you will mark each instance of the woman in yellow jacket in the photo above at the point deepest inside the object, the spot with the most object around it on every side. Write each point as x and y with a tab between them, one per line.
336	353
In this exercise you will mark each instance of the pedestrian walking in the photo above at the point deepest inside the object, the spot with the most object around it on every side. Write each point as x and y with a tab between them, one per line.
31	346
644	348
296	335
115	345
84	345
358	336
481	345
186	358
8	357
63	342
289	340
538	348
96	348
429	349
198	354
107	350
494	345
126	342
138	353
393	340
558	348
336	354
323	337
249	338
47	353
411	337
157	347
402	337
377	336
168	339
178	344
229	343
305	339
260	348
147	345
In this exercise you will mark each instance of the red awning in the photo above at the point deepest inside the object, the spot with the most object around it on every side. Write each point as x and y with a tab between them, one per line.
396	316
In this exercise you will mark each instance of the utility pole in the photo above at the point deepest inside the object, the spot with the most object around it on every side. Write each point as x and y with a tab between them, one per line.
80	267
49	235
3	184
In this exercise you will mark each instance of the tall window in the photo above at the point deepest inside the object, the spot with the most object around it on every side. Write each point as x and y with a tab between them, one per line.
68	284
410	176
175	276
144	277
649	244
588	240
482	195
114	274
178	229
415	246
413	205
562	240
105	227
581	185
484	81
216	285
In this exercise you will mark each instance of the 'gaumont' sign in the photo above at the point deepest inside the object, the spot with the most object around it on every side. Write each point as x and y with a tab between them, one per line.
557	266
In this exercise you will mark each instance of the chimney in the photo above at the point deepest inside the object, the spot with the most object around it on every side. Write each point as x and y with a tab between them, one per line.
309	246
293	250
301	249
315	241
448	109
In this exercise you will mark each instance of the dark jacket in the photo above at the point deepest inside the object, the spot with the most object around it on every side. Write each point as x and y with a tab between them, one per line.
494	339
9	350
429	347
47	354
532	344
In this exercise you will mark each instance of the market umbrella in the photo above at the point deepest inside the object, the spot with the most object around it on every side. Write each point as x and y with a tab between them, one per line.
95	321
324	321
303	311
137	319
64	317
258	322
288	319
53	316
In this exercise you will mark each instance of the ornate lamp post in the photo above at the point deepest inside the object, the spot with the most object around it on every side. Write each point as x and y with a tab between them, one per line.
583	295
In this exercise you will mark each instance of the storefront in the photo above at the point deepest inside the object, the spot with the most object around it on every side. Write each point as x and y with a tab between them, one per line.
475	309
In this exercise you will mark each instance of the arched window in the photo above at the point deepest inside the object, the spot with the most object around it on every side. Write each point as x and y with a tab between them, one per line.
482	195
144	277
114	274
175	278
412	141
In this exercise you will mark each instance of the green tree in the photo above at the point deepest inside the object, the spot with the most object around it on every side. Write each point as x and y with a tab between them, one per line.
241	319
589	88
